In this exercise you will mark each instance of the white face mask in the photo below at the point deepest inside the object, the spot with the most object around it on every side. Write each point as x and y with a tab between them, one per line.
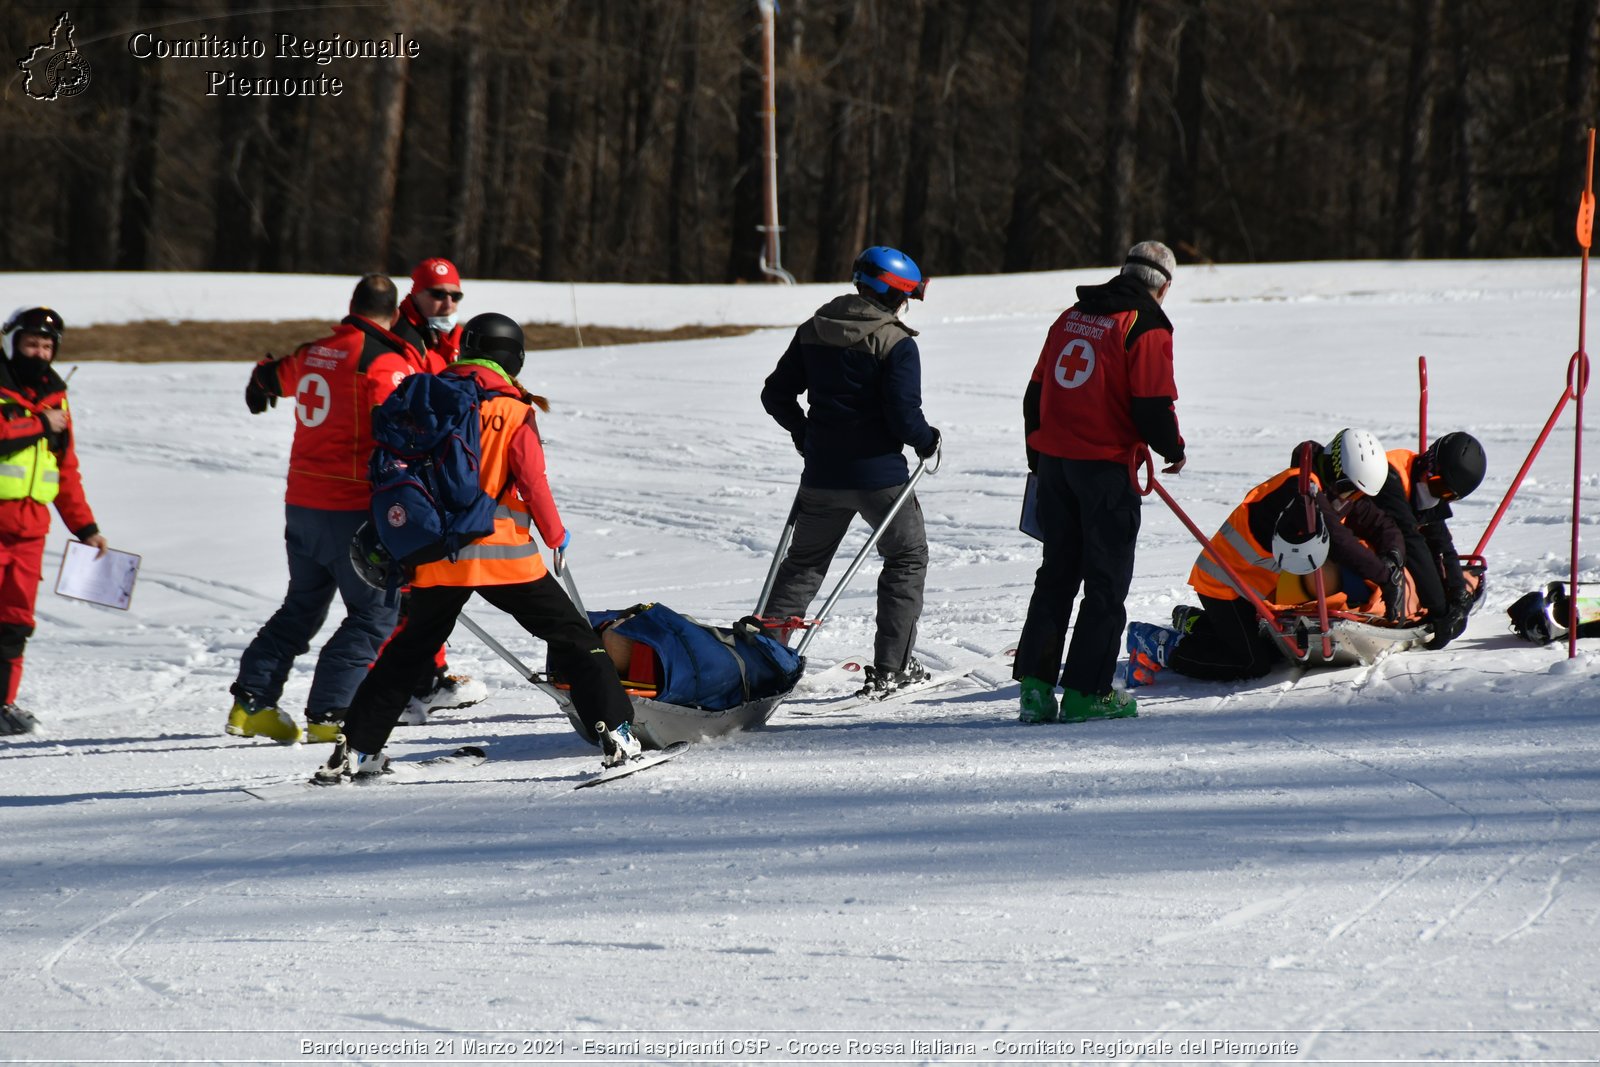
1421	498
443	323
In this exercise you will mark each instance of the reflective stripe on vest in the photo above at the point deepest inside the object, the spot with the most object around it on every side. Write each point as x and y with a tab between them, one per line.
31	473
510	555
1234	543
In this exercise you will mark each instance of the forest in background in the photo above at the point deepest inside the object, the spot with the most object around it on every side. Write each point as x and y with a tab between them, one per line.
620	140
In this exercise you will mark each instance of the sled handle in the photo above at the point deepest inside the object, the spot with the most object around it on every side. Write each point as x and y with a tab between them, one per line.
533	677
778	555
1141	458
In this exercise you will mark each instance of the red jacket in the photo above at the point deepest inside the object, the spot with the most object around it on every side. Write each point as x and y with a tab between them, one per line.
29	518
1103	382
335	383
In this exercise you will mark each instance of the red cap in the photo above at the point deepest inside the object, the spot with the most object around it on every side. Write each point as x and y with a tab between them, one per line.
433	272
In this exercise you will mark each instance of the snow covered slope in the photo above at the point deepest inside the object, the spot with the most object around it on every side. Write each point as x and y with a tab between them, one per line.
1397	861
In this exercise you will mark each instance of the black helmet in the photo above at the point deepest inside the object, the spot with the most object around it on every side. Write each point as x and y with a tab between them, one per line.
494	337
1454	466
45	322
1534	617
370	559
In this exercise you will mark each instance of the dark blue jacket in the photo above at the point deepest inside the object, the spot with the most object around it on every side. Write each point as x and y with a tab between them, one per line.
862	376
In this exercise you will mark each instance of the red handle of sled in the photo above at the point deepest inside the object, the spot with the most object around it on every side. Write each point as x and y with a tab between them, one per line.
1142	458
1311	524
1422	404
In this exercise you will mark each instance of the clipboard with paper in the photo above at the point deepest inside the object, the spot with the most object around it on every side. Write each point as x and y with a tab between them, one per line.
106	579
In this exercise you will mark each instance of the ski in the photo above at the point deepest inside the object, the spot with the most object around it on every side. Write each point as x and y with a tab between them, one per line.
935	680
642	762
400	770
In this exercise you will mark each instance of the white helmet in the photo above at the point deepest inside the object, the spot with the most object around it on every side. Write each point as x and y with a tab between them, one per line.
1299	547
1359	459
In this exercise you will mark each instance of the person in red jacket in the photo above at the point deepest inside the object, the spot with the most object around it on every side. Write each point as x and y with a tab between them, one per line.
505	568
1103	385
428	321
429	313
334	383
38	467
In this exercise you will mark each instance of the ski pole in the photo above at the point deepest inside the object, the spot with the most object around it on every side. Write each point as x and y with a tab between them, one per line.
1142	458
855	564
533	677
784	540
564	571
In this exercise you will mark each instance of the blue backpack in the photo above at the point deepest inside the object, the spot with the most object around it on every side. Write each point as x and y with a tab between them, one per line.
703	666
427	503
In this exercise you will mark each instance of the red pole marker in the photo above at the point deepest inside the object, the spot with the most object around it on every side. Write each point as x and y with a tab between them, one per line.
1577	385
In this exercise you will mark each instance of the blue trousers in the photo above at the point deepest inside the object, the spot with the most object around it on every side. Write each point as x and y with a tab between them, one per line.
318	543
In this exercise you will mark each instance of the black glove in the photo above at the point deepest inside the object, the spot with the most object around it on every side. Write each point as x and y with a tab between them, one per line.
1033	461
799	439
1448	628
261	392
1464	596
1394	589
932	446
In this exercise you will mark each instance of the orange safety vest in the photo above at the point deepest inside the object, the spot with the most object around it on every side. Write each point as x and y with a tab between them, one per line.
1234	542
510	555
1400	461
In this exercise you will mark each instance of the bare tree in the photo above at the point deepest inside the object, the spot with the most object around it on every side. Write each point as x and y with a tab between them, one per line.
1122	120
1576	118
683	196
383	152
1032	182
1418	122
1188	110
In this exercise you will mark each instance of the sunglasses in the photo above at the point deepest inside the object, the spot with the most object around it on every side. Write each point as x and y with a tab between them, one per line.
1439	490
446	294
1344	487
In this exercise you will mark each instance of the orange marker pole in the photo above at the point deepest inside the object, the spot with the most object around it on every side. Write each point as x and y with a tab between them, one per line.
1577	384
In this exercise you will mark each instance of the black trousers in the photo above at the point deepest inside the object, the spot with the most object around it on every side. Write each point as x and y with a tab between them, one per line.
1226	644
540	607
1089	514
823	518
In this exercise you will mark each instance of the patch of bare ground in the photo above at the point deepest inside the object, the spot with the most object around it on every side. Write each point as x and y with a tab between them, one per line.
156	342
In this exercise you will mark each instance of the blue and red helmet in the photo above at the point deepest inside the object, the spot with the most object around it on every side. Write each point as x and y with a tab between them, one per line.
881	268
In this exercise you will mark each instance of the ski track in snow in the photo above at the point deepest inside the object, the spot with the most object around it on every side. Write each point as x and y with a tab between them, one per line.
1393	861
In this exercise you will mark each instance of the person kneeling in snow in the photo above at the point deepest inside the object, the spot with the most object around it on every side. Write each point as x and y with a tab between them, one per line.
505	568
1417	497
1266	536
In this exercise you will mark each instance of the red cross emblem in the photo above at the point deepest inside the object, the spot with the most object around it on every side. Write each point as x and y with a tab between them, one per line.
311	402
1075	363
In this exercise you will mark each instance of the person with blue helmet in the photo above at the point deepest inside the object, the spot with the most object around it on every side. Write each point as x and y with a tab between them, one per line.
862	373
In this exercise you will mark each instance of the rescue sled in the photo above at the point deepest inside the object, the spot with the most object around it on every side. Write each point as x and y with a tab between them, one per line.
689	680
1356	638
